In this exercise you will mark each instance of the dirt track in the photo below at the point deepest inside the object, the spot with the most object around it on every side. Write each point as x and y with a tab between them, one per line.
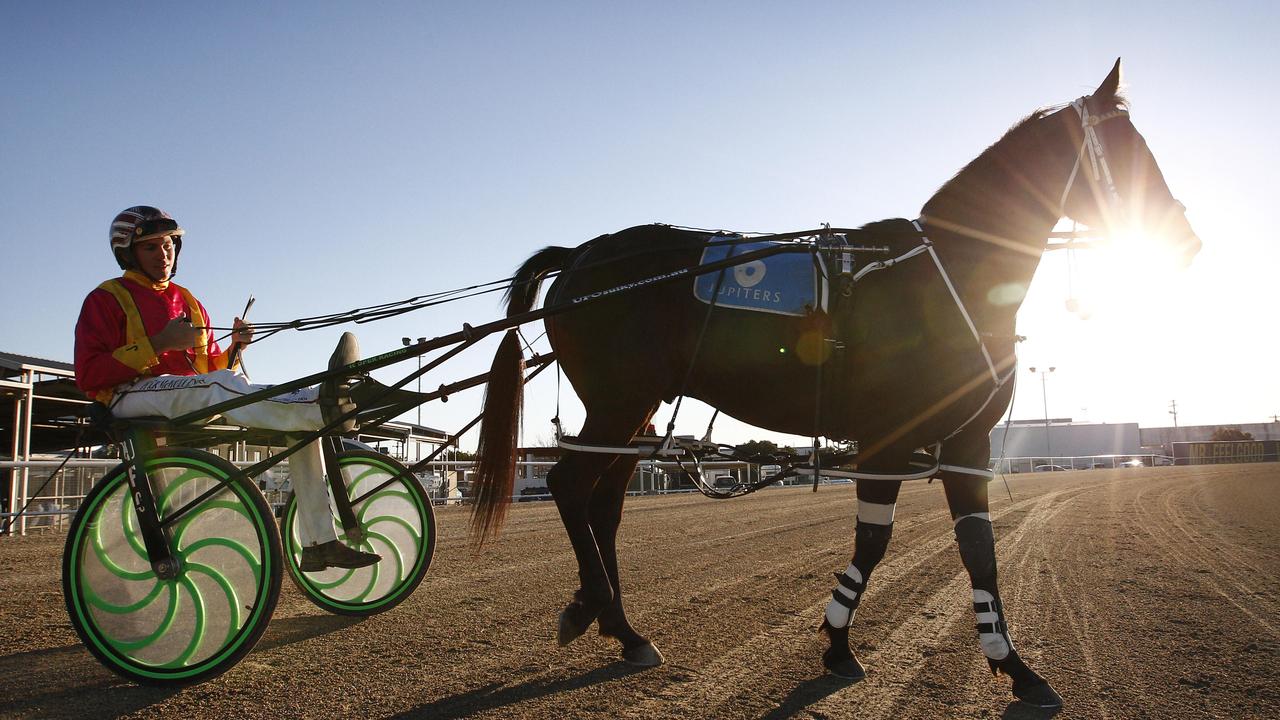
1137	593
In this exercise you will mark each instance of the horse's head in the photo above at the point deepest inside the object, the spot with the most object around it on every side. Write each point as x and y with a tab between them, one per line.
1115	184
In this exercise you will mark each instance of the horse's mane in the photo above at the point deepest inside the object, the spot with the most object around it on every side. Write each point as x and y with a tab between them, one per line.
1013	137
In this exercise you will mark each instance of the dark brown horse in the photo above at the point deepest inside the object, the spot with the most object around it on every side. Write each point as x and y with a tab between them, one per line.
918	354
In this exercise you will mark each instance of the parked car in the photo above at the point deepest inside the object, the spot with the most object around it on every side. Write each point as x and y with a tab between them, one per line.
530	494
1132	464
1048	468
724	482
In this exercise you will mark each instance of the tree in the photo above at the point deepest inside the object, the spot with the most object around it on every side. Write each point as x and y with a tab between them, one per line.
1230	433
757	447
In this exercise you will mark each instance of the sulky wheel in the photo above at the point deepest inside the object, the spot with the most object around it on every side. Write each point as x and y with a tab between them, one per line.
199	623
398	523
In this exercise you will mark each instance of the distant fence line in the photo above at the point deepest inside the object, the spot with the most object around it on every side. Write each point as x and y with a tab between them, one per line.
61	496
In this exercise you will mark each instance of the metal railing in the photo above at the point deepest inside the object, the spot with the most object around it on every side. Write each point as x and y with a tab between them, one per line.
55	501
1044	463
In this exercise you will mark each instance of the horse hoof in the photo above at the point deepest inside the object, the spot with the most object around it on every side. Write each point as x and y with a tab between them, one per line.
646	655
843	665
1041	695
569	630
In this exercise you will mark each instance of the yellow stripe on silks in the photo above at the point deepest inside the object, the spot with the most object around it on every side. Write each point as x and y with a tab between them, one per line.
202	344
137	352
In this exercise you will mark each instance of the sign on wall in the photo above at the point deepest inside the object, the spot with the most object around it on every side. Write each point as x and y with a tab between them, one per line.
1228	451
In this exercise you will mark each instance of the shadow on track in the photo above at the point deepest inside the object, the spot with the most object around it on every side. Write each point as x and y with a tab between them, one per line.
494	695
806	694
55	683
1020	711
287	631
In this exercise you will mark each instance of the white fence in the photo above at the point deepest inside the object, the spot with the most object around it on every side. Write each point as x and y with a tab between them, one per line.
61	497
50	503
1041	463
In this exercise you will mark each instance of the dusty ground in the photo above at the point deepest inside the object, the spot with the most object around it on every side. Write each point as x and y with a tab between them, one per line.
1138	593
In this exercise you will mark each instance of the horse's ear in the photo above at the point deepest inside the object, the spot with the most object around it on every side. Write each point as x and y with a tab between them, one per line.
1108	88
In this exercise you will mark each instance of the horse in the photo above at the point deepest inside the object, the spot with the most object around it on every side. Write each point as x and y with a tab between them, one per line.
919	355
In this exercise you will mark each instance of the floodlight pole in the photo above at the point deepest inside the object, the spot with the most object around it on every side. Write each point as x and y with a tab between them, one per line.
1044	394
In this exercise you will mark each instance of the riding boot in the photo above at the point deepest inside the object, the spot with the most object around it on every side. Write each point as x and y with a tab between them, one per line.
335	393
977	551
869	547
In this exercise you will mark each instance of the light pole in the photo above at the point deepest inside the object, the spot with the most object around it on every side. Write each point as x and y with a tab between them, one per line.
407	342
1044	394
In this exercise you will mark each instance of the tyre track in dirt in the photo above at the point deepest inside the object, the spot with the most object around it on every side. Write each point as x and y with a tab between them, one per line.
1103	598
1214	558
948	619
1044	600
721	682
769	574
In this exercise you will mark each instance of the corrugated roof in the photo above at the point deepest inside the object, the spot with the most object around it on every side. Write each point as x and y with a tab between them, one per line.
14	361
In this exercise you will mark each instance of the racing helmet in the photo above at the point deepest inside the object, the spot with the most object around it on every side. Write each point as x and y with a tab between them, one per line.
139	223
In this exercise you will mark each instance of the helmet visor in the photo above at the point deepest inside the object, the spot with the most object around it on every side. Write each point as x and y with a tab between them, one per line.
156	227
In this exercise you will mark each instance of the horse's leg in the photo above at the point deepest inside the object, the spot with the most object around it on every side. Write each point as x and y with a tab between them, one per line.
876	502
967	497
573	481
606	515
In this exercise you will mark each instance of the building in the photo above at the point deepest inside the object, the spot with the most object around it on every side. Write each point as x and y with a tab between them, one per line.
1161	439
1064	438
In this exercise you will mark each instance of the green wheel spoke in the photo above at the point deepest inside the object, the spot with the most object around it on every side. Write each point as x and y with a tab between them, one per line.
395	520
237	547
125	647
129	523
96	543
197	633
332	584
233	600
98	602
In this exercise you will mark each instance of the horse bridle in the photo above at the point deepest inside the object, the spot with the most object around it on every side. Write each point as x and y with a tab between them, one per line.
1091	145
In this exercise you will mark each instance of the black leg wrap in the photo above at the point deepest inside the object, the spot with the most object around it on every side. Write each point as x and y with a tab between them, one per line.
978	552
869	544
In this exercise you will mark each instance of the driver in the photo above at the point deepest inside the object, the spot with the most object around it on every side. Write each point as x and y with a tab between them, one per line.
144	348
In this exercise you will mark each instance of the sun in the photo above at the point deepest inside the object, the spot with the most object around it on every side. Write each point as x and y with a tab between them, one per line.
1121	277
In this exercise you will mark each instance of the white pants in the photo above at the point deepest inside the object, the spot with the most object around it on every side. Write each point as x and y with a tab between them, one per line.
172	396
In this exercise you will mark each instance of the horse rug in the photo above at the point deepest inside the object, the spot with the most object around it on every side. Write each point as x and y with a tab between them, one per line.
784	284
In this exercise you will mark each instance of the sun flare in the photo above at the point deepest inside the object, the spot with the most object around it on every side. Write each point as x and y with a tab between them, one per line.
1121	278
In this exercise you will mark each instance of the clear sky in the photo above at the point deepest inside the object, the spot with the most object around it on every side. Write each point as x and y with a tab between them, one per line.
325	155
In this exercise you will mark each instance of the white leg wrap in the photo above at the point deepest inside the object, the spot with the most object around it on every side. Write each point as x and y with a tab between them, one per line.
839	614
981	516
876	513
995	641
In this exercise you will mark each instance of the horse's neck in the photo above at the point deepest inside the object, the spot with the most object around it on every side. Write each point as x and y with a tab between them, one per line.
989	224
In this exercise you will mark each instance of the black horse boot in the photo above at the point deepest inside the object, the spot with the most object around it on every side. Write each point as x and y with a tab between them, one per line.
978	551
868	549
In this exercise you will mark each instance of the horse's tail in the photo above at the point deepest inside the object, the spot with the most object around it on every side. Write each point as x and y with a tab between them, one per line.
504	399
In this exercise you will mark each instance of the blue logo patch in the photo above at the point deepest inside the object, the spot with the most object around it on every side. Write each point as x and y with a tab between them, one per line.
782	284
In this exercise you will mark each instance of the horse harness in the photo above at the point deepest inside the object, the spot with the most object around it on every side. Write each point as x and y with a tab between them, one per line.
922	465
827	245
